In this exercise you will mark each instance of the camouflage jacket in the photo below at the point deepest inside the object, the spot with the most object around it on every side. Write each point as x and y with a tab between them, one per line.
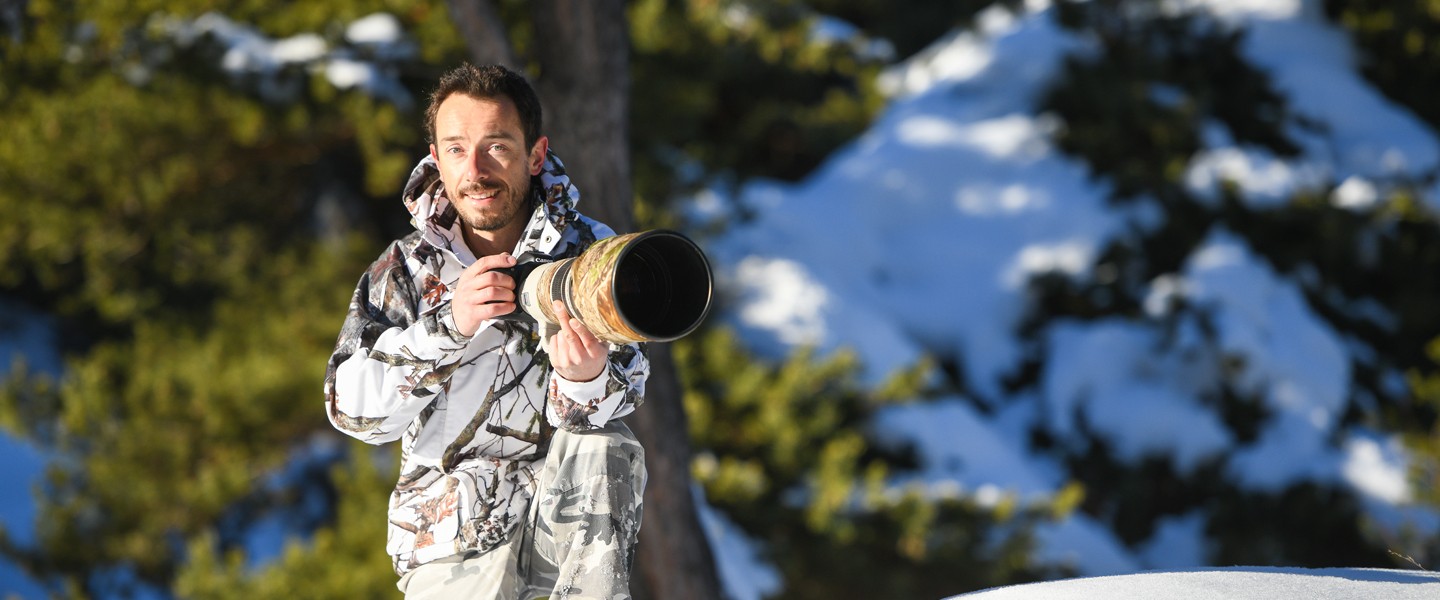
474	415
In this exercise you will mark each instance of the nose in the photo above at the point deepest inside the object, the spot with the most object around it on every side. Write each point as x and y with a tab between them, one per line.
480	167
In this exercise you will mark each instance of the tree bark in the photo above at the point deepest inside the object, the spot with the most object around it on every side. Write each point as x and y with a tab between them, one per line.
479	24
583	51
674	558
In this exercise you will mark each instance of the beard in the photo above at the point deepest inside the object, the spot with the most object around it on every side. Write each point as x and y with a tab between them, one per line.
509	206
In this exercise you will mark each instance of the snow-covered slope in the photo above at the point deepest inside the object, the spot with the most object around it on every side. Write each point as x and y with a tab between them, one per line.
920	237
1233	584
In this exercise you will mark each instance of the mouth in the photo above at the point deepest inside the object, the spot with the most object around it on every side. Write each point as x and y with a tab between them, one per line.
479	195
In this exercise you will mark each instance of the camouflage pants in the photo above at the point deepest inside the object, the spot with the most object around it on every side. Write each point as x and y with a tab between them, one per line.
579	540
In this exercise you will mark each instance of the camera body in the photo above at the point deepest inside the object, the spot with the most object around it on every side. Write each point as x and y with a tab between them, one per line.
525	264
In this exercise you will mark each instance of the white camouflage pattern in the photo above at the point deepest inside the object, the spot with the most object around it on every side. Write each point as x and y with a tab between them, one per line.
475	416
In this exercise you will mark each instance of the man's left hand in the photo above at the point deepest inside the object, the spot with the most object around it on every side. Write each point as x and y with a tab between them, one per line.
575	353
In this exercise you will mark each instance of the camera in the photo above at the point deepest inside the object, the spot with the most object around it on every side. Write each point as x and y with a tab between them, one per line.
651	286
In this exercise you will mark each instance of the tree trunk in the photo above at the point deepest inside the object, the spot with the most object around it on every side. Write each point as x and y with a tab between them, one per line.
583	51
674	558
484	33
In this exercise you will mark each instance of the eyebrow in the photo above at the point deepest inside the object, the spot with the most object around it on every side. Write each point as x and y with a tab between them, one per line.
491	136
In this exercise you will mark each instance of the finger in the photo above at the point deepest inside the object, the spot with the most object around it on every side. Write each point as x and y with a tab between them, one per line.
494	295
474	293
491	311
489	263
588	340
562	316
485	296
477	282
560	343
494	308
491	279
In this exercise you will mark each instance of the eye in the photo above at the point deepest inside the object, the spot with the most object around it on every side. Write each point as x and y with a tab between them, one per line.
454	150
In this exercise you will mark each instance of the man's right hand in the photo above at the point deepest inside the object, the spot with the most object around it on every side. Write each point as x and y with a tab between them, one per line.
482	293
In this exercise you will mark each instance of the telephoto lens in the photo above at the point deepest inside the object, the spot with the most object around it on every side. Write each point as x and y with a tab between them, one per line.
651	286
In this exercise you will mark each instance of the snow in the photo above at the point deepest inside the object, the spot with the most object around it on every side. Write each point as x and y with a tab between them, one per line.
1355	192
950	433
1083	544
1286	355
1366	138
909	266
1233	584
1262	177
1179	542
826	29
365	61
919	238
377	29
744	575
1372	465
1143	402
28	335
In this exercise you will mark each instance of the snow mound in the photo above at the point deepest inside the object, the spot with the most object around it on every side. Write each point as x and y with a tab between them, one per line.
1235	583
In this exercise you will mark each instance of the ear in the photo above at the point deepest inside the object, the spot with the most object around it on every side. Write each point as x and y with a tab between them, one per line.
537	155
434	154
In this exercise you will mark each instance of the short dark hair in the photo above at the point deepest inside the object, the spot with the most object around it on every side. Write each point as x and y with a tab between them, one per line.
488	81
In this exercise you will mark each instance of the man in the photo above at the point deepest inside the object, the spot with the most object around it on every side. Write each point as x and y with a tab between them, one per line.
517	480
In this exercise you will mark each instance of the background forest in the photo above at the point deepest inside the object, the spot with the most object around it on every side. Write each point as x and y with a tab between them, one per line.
191	189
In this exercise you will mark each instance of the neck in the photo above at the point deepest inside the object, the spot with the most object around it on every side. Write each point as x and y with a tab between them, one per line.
485	243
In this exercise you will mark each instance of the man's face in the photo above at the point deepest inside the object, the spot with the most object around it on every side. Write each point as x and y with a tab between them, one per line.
480	148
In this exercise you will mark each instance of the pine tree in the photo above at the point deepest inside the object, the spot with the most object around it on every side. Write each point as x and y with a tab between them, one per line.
197	232
197	223
788	454
1135	114
1399	45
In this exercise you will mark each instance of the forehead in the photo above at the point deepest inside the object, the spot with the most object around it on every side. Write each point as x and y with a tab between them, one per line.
468	116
